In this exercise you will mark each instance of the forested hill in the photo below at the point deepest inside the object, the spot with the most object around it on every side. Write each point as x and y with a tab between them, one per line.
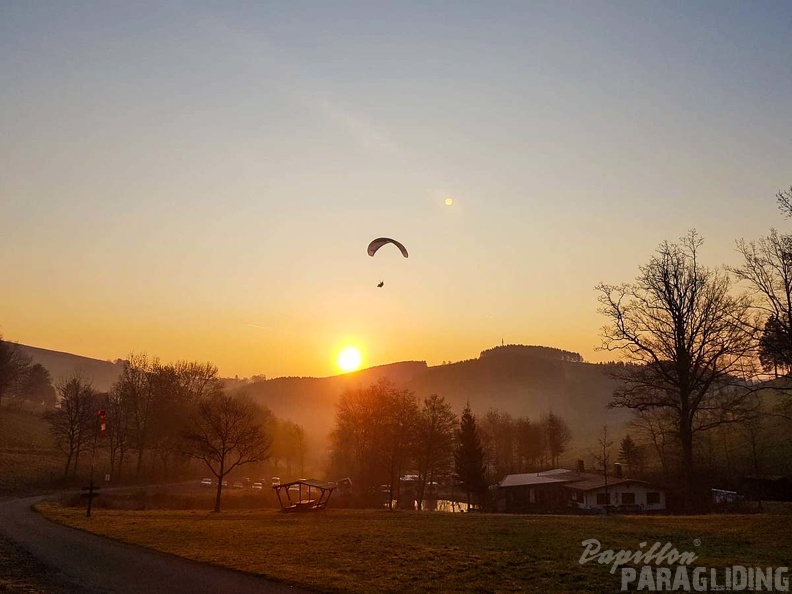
311	401
521	381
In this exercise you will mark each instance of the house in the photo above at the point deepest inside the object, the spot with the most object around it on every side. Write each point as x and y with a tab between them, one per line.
562	490
533	492
623	494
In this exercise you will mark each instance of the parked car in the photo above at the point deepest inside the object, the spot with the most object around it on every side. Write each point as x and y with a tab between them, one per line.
275	481
257	486
225	483
207	482
239	485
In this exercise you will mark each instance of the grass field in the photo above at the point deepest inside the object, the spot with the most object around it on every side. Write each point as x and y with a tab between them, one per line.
381	551
28	457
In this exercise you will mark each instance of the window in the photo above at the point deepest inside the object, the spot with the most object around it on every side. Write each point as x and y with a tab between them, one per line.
628	498
653	499
603	498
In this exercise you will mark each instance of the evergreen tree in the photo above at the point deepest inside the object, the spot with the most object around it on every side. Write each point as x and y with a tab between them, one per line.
630	454
469	456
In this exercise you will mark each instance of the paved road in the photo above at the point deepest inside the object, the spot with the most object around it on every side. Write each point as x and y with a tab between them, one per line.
92	564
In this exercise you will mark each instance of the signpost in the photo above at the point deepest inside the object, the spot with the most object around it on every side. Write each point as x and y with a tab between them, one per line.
91	493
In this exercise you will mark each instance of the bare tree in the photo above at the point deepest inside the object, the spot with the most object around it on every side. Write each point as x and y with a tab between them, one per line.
399	433
557	436
73	423
767	269
137	397
434	442
603	458
656	428
784	198
199	380
500	431
118	434
530	443
359	437
288	445
690	341
227	432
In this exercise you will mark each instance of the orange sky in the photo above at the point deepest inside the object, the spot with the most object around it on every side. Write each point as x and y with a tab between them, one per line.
201	184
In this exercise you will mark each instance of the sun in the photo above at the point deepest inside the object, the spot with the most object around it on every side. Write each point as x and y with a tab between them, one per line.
349	359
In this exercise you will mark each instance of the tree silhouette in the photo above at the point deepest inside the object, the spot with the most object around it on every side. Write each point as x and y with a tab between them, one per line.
227	432
14	367
469	456
434	441
630	453
690	339
784	198
73	422
767	268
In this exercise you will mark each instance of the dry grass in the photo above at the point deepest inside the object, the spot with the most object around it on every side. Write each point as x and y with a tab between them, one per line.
28	457
380	551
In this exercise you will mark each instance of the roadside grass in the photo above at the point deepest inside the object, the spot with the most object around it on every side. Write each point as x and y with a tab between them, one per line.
382	551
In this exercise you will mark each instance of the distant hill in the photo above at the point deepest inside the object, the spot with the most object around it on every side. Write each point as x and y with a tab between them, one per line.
311	401
522	381
519	379
102	373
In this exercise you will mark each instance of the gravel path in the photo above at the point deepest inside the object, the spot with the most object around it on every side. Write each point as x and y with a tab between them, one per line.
91	564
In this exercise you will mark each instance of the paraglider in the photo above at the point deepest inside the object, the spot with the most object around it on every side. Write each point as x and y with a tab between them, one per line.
379	242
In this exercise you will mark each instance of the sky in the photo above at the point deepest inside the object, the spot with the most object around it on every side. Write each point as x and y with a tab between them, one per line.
199	180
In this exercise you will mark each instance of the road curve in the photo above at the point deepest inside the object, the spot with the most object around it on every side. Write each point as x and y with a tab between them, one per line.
94	564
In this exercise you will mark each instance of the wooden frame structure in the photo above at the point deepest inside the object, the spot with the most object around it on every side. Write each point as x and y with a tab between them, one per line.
306	496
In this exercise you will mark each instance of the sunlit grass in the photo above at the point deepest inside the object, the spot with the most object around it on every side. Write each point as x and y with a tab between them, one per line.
380	551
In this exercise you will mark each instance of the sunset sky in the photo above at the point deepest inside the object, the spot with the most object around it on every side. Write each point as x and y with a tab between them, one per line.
200	180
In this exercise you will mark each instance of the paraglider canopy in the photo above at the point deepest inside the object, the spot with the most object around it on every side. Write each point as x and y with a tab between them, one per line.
379	242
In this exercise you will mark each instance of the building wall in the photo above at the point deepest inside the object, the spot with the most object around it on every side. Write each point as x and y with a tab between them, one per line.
532	498
588	499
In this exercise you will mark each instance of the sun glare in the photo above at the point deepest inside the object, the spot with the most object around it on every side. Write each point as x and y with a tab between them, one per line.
349	359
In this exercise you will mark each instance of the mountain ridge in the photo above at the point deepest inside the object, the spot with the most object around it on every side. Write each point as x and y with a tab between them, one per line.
521	380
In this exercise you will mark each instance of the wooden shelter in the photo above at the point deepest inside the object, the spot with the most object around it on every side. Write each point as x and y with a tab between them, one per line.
304	495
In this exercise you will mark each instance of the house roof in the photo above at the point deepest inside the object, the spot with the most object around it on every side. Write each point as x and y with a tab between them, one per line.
599	482
580	481
547	477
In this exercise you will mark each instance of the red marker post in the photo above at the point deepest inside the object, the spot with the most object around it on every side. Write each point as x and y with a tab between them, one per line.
102	422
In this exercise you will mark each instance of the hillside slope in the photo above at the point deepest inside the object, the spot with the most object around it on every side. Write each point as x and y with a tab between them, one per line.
60	365
518	383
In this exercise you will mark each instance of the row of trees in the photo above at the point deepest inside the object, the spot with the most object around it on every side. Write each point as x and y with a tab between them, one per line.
698	351
517	445
382	433
539	352
166	414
